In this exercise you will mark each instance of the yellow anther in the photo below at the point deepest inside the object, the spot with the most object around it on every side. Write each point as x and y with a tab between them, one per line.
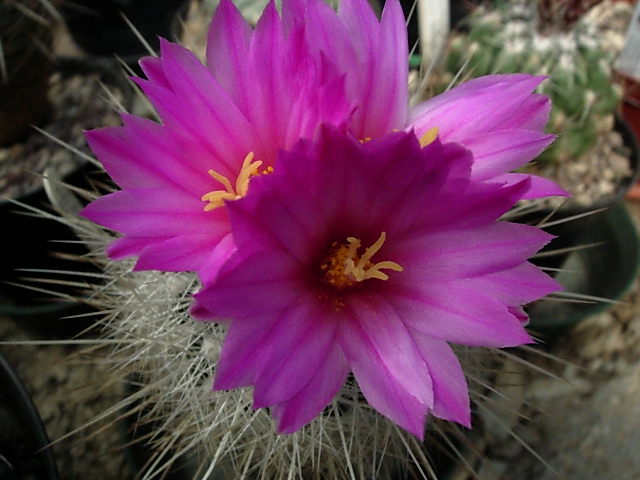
216	198
344	268
428	137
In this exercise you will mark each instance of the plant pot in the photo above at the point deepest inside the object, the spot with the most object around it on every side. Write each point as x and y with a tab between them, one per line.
99	27
30	240
25	42
25	451
33	245
605	270
631	114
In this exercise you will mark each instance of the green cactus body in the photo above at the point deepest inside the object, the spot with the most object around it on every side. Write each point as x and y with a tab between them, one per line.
516	37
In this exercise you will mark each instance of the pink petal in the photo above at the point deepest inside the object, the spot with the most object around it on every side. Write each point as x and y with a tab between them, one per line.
300	345
180	253
293	229
130	155
326	33
533	114
227	52
253	352
463	253
218	257
517	286
382	50
266	60
245	290
315	396
490	101
126	246
152	68
485	202
454	312
501	151
241	350
450	392
198	111
540	187
154	213
391	374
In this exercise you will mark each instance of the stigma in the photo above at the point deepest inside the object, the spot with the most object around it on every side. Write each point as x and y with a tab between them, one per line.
345	267
216	198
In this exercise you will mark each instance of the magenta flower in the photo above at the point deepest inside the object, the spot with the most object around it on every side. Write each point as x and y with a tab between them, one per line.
264	89
371	258
497	117
223	123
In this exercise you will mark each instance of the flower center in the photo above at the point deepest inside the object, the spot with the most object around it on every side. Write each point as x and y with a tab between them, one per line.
216	198
344	267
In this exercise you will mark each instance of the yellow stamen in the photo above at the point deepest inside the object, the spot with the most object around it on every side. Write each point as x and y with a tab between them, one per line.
428	137
343	266
216	198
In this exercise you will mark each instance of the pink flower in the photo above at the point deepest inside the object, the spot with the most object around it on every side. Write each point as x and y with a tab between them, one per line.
262	90
223	123
497	117
371	258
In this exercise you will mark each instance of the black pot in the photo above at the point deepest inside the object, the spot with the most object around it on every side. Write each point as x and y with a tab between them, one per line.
25	451
32	242
605	270
99	28
38	243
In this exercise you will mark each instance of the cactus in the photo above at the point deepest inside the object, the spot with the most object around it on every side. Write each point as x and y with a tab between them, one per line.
25	42
549	38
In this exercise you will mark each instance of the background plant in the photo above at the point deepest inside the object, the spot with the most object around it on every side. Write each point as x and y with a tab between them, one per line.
544	37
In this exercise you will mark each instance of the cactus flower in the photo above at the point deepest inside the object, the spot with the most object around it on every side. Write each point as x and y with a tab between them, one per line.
262	90
347	263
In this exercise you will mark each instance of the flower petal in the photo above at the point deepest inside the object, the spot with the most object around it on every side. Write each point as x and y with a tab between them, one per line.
490	101
382	49
450	391
228	42
315	396
467	252
179	254
198	113
392	375
153	212
457	313
244	289
540	187
300	345
130	155
501	151
517	286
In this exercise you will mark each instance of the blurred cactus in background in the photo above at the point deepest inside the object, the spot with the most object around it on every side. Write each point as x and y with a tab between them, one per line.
544	37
